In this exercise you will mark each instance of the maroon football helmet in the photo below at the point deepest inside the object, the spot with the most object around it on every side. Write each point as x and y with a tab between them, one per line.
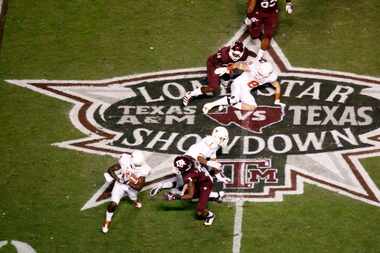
183	163
236	51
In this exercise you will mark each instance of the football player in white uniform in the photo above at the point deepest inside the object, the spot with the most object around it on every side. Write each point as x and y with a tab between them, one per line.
255	73
129	178
204	153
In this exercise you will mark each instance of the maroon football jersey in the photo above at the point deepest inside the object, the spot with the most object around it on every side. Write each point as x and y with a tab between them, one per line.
222	57
268	6
197	176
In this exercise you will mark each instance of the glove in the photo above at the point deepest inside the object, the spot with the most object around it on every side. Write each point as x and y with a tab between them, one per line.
171	196
230	67
289	7
248	21
221	71
277	102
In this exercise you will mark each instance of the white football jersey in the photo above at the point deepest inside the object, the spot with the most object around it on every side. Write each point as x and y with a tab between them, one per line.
127	166
253	75
249	79
206	147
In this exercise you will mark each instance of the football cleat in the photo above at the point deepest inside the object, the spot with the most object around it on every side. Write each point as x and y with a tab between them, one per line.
106	226
155	190
187	98
206	108
221	196
209	219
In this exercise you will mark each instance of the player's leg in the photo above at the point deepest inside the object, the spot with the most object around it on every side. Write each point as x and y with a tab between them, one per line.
232	100
270	25
133	195
213	84
255	28
116	195
202	211
248	102
166	185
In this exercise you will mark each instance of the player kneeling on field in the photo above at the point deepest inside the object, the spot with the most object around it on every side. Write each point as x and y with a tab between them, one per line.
198	183
203	153
128	176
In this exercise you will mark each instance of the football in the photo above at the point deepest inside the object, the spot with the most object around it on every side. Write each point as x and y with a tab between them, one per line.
135	182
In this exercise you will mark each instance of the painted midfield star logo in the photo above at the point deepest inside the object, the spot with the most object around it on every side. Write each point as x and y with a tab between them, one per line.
254	122
330	122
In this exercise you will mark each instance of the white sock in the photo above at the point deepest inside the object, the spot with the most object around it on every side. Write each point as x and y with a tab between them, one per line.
197	92
109	216
210	214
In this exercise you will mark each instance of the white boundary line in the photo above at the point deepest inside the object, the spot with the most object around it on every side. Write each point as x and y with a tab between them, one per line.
238	220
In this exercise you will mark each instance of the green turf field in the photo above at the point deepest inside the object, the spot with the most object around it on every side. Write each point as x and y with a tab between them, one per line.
43	187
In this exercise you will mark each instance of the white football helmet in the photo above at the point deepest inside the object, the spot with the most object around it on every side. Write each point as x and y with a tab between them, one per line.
137	158
220	135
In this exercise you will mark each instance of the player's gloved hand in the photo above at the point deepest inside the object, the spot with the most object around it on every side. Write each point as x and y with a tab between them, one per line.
289	7
277	102
221	71
248	21
171	196
230	67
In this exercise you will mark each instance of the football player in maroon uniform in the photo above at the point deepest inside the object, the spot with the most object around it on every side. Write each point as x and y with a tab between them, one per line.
198	183
226	55
262	20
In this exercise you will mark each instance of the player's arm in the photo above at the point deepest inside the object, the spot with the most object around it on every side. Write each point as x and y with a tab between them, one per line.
211	163
202	160
111	170
238	65
251	6
277	93
189	193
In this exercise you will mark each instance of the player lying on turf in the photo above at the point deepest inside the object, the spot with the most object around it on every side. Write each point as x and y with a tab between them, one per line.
198	183
128	176
226	55
204	153
255	73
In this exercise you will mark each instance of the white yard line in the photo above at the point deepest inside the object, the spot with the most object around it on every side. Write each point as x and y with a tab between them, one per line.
237	226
